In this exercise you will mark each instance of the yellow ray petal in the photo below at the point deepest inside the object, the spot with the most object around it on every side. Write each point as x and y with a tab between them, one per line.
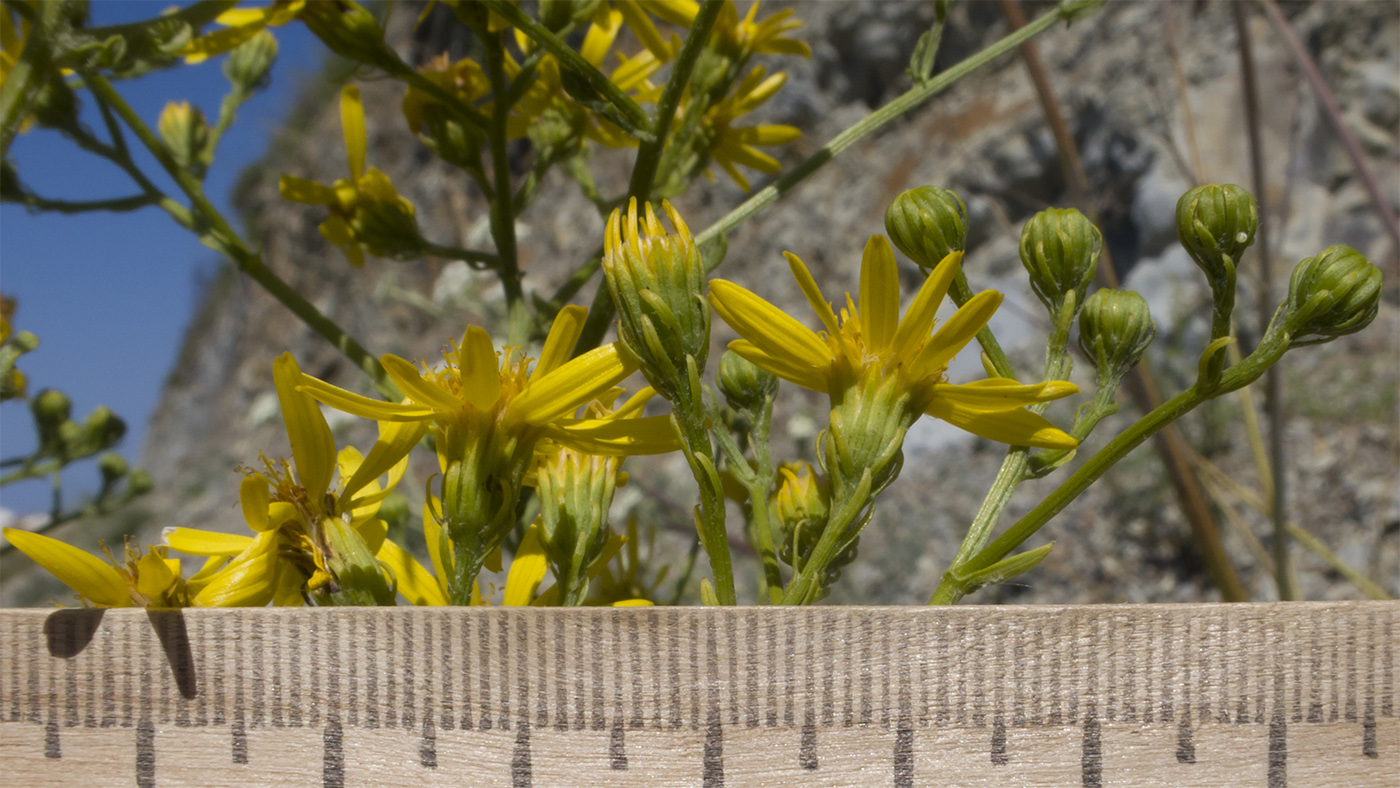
575	383
362	406
767	326
302	190
414	582
635	404
957	332
601	33
438	544
373	532
480	368
313	448
1001	394
633	603
793	371
1015	427
814	295
646	32
419	389
154	578
93	579
388	455
352	118
623	437
192	541
286	591
254	497
677	12
879	294
218	42
248	581
914	328
336	230
527	570
563	336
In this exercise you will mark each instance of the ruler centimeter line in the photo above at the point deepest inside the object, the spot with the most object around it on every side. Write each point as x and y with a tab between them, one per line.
1252	694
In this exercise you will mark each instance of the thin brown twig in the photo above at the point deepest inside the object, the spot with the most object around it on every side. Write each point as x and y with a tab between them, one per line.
1193	147
1334	115
1275	479
1169	443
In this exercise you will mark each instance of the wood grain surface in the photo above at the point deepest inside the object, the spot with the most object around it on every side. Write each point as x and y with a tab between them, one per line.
1268	695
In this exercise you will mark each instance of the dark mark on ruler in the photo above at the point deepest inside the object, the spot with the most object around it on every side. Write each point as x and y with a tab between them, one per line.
807	750
1278	753
277	683
240	742
145	753
617	747
521	767
713	773
1185	748
390	673
427	750
1092	760
904	757
51	745
333	768
371	652
1368	739
503	623
999	754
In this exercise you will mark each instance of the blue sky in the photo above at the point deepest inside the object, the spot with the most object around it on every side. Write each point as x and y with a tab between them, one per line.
109	295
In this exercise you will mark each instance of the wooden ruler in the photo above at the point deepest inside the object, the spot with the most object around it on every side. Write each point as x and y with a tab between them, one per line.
1154	695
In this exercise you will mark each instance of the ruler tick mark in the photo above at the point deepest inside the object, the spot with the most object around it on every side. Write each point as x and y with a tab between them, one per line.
617	747
239	744
333	763
521	767
145	753
904	757
427	749
52	749
999	755
1185	747
1368	740
1091	762
807	750
713	764
1278	753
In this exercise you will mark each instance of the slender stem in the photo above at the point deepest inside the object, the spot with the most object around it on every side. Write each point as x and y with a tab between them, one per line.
649	152
503	207
116	204
573	61
1267	354
877	119
481	259
216	232
1276	480
711	516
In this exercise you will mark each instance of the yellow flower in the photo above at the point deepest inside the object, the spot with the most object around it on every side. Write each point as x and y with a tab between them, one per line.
874	346
742	37
151	580
731	145
561	118
299	519
366	212
240	24
464	79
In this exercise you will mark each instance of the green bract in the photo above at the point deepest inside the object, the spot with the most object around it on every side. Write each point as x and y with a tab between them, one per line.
1115	329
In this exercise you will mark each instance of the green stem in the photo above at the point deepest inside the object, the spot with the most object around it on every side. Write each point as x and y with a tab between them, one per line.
714	535
503	206
649	152
572	61
1268	352
116	204
844	512
481	260
216	233
877	119
1014	467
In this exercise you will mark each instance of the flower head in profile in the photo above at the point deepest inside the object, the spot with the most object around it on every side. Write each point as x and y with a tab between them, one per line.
732	145
240	24
739	37
869	344
151	580
314	520
367	213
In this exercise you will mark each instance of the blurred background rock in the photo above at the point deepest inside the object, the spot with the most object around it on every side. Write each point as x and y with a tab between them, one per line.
986	138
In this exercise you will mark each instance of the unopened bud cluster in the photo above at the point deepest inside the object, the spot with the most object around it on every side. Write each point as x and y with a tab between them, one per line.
186	133
657	279
1115	328
1334	293
1216	223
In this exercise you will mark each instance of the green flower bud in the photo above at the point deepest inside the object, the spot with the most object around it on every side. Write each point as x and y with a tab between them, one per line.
185	132
1216	223
801	508
51	408
248	64
1337	292
744	384
387	228
657	280
1060	250
138	482
576	491
557	14
927	224
113	467
102	429
1115	329
359	581
348	30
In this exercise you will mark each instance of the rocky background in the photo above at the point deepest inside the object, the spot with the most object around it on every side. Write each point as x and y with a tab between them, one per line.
985	138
